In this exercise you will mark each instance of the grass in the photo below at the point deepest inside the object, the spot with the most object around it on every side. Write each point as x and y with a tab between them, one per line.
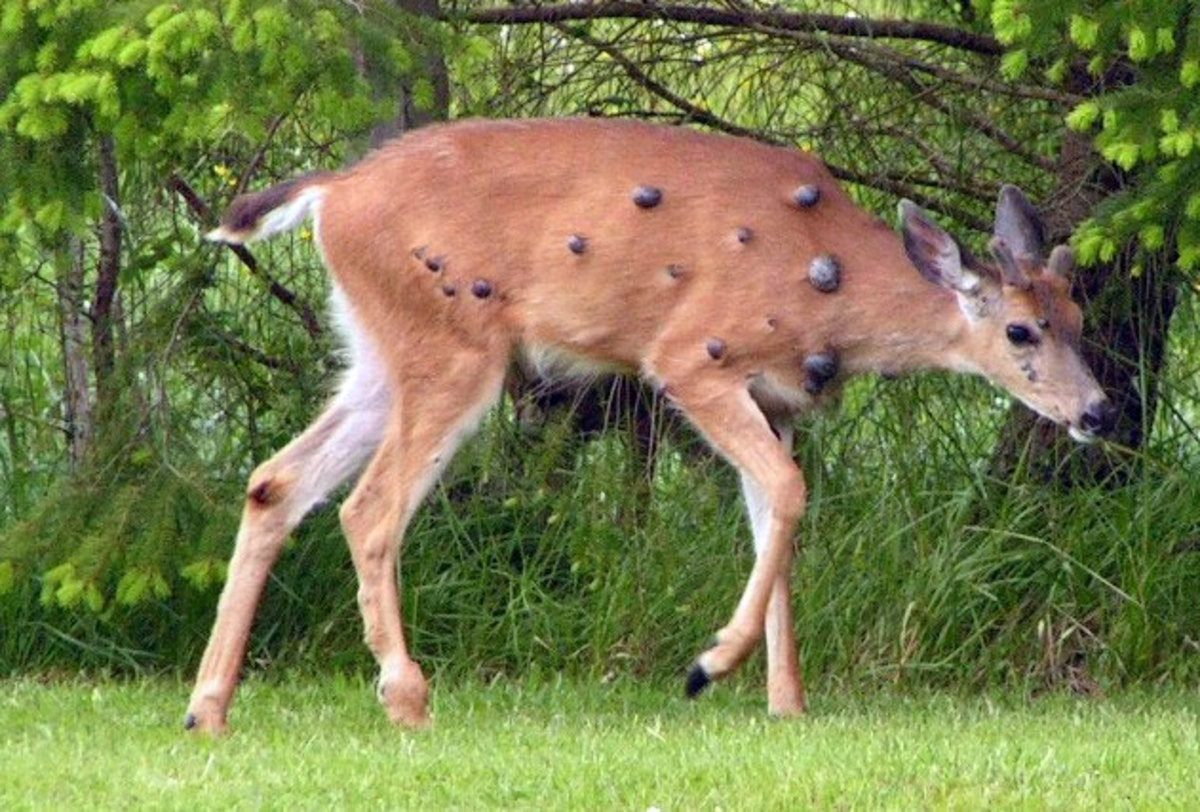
571	745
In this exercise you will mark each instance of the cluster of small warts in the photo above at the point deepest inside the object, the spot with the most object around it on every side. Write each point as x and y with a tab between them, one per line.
480	288
824	274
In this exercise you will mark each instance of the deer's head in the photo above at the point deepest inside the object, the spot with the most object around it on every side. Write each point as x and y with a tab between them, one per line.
1022	330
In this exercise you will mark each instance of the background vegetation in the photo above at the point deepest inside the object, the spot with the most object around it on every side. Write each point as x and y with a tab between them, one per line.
951	538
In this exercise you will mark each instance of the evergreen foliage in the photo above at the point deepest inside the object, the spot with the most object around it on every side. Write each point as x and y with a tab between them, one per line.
544	548
1145	59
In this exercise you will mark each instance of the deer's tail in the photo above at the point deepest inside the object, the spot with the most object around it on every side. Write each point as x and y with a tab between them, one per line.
282	207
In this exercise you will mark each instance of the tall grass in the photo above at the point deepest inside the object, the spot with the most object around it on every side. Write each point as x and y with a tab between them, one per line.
543	552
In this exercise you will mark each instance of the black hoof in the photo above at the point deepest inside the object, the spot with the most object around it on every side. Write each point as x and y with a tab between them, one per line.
189	721
697	680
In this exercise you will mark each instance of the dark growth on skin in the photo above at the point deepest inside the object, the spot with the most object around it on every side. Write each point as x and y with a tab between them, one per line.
262	493
744	235
674	271
716	348
449	289
434	264
819	369
772	322
807	195
825	273
481	288
577	244
647	197
190	721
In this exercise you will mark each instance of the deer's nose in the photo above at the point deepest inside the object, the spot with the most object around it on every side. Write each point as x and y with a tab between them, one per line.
1099	418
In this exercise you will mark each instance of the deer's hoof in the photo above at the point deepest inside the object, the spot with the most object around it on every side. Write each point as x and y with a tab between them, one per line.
697	680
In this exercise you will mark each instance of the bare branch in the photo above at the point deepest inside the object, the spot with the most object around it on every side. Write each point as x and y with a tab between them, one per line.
257	160
284	294
899	188
735	17
926	95
691	112
254	353
977	81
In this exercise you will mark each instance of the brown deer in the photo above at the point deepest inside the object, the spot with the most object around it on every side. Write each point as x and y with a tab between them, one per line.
737	278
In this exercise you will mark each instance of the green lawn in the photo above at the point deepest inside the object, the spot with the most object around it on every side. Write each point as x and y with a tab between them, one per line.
321	743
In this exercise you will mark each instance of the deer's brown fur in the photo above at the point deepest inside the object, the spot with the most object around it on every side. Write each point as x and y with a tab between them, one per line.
456	246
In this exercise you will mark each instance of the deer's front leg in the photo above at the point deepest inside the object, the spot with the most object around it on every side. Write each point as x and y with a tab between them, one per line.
723	410
785	683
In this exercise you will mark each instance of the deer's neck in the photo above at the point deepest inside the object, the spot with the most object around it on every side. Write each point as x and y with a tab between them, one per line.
902	324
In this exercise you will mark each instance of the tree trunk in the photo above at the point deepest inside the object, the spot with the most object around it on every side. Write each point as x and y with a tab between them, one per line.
409	114
108	270
1125	337
73	334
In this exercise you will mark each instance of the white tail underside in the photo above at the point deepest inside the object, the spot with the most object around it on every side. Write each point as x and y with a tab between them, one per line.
283	218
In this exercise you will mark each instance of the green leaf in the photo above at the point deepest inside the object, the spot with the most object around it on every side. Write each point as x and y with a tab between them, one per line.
1179	144
1189	73
1014	63
51	215
1083	116
103	45
132	52
69	593
1057	71
160	14
1192	208
93	598
1164	39
1083	32
1124	154
1141	47
133	587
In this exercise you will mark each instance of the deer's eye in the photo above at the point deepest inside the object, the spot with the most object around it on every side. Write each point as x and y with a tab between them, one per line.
1021	335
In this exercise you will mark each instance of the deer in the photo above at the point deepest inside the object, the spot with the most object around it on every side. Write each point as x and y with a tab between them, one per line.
737	278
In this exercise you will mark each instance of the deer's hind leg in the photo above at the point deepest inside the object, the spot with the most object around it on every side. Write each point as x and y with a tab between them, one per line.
785	683
279	493
441	397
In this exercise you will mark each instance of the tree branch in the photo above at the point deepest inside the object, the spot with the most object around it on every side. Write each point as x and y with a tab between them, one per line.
284	294
235	344
257	160
699	115
922	93
914	64
734	17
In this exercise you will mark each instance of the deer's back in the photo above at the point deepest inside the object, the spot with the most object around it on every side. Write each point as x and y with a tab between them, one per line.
531	229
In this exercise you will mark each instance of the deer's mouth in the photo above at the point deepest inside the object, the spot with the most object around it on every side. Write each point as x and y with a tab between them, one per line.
1079	435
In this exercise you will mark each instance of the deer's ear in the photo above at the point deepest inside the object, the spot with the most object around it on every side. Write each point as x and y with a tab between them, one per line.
935	253
1018	225
1010	269
1061	262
